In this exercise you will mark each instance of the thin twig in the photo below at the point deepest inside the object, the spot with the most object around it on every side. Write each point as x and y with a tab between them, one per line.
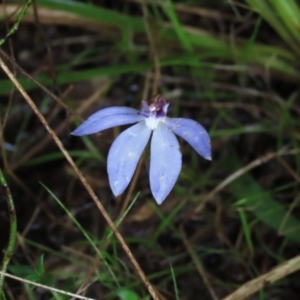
13	227
4	274
82	179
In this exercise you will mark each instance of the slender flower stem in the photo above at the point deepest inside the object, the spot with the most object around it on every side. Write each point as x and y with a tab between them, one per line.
13	227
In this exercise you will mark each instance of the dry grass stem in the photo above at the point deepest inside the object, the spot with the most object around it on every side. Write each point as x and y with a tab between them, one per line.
253	286
60	128
45	287
82	179
47	91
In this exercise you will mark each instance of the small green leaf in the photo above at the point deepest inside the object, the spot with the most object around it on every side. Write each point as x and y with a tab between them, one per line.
126	294
261	203
40	265
22	271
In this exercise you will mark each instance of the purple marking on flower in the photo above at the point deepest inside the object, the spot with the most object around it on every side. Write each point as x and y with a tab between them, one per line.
126	150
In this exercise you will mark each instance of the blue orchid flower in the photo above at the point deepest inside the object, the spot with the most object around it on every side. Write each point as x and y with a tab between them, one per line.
126	150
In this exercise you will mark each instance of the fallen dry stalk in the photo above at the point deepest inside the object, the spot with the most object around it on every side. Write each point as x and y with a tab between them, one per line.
44	286
82	179
252	286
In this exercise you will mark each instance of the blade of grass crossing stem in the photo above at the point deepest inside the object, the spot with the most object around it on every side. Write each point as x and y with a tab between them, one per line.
251	42
157	12
90	145
57	254
247	231
276	254
16	25
93	149
261	204
86	235
167	221
174	282
169	10
119	221
8	253
58	155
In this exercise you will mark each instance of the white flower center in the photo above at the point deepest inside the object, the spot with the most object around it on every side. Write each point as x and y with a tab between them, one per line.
152	122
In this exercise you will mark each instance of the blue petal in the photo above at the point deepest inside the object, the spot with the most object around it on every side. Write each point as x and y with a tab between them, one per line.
193	133
124	156
165	163
107	118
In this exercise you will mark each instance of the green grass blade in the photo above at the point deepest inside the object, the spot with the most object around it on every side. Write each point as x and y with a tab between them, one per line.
86	235
16	25
119	221
169	10
268	12
247	231
9	251
289	13
166	221
261	204
58	155
174	282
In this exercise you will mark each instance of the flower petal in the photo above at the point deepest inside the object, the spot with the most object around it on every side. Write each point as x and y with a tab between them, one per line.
193	133
165	162
124	156
107	118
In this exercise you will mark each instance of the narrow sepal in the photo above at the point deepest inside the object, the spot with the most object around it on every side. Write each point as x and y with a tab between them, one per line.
124	156
193	133
165	162
107	118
